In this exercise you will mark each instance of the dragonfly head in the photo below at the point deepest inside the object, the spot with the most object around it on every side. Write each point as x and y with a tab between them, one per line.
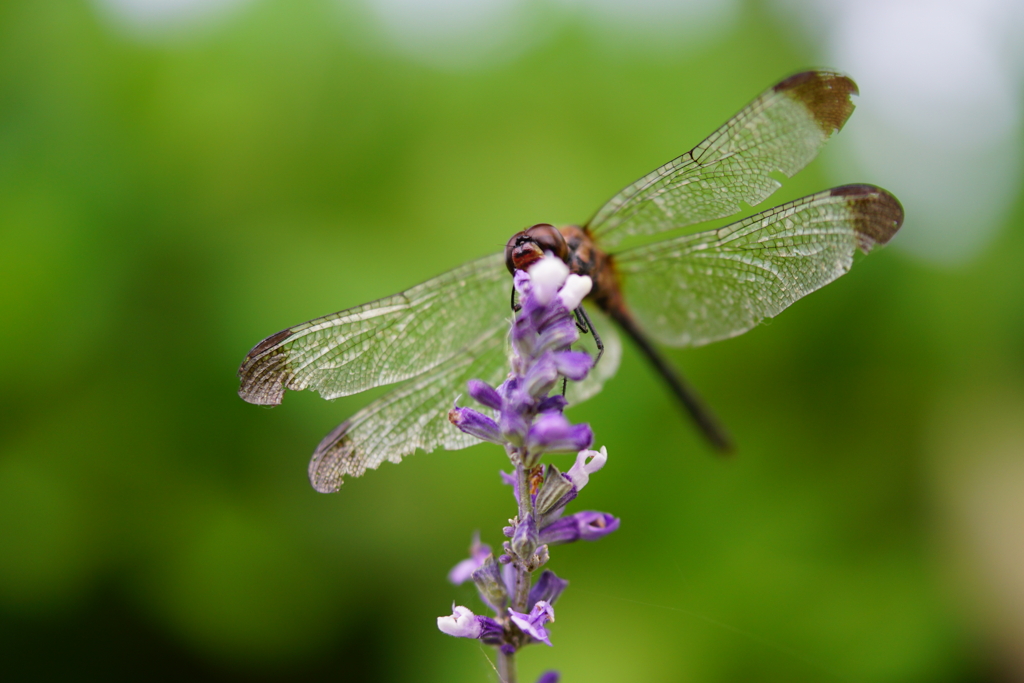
527	247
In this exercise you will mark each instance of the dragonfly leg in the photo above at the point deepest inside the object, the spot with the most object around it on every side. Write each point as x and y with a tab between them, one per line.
515	307
585	325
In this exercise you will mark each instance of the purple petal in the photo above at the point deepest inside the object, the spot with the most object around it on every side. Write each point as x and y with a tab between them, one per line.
573	364
463	571
595	525
524	335
475	424
509	575
552	404
587	526
559	334
478	553
533	623
547	588
541	376
552	432
484	394
491	632
549	677
521	281
513	427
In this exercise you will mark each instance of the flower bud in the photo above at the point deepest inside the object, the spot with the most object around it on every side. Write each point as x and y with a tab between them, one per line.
490	584
484	394
524	540
475	424
553	489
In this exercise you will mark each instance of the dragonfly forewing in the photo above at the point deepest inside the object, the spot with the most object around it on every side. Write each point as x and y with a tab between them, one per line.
700	288
782	130
384	341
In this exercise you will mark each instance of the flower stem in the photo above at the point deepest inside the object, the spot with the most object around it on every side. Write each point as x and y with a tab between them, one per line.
523	580
507	667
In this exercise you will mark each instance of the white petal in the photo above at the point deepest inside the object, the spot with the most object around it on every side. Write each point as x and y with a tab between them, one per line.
574	290
461	624
587	462
547	276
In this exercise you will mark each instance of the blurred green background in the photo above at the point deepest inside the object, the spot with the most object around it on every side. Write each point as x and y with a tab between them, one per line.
170	196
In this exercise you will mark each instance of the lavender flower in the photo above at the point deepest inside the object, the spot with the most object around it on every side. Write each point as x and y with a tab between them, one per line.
529	423
532	624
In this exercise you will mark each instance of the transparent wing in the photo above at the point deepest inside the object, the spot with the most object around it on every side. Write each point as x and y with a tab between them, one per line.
414	415
780	131
384	341
696	289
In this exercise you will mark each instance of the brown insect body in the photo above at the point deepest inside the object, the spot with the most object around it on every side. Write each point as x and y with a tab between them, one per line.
586	258
577	248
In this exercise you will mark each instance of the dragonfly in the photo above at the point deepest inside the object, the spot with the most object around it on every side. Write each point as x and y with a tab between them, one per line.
687	290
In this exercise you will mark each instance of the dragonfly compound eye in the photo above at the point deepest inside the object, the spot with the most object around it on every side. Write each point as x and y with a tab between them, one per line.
527	247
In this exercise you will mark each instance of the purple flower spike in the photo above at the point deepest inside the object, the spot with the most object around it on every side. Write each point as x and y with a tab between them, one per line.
463	571
475	424
484	394
551	432
547	588
532	624
587	526
521	416
549	677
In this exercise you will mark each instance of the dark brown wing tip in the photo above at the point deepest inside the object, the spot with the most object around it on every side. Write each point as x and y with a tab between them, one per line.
826	94
259	386
266	344
877	215
329	459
